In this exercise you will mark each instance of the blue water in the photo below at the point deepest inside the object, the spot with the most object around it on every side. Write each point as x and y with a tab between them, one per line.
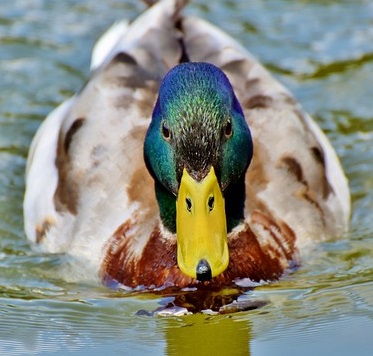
321	50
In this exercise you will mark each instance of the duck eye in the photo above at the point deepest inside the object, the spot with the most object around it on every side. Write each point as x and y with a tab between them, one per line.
165	131
228	128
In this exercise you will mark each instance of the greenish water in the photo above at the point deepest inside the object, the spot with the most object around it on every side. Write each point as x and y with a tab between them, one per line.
323	51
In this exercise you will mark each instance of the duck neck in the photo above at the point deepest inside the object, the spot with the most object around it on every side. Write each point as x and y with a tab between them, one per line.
167	207
234	197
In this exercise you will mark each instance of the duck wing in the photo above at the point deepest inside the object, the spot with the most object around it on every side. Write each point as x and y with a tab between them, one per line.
85	172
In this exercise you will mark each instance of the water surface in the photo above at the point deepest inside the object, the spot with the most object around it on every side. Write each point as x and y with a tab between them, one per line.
323	51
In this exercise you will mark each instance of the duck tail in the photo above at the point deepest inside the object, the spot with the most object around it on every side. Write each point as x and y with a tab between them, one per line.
176	5
179	3
156	30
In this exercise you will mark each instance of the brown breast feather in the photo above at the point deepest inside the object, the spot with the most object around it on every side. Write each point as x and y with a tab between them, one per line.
259	259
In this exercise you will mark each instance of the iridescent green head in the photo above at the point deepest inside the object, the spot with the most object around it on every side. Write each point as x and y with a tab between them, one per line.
198	146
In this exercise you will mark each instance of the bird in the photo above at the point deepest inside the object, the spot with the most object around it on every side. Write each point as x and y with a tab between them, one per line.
182	162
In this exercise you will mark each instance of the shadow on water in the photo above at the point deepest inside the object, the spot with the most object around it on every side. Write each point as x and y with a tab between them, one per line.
204	299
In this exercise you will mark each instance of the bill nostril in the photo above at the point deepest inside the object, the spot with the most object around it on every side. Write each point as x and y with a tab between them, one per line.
188	202
211	203
203	271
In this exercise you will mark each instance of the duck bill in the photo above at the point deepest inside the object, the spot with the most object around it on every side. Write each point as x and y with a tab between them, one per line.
202	248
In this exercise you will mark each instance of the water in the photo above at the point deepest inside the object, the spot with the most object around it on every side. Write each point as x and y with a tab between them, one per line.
323	51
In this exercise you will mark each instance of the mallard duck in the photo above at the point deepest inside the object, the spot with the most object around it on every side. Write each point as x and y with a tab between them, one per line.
181	162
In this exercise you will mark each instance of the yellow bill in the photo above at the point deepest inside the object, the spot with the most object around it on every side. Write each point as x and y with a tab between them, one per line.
202	248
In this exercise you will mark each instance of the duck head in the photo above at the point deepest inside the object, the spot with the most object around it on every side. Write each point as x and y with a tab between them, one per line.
197	148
